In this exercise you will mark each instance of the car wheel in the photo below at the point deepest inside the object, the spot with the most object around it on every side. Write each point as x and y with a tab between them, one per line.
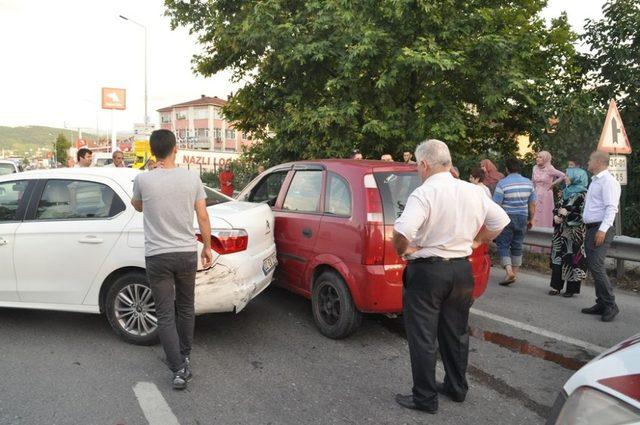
334	312
131	310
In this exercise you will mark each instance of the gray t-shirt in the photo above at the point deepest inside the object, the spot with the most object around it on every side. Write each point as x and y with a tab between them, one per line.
168	197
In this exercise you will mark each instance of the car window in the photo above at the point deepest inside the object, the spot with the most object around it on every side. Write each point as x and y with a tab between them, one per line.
214	197
304	191
11	200
268	188
395	189
7	169
338	196
74	199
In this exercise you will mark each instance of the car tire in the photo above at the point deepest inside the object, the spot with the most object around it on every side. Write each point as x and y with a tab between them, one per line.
334	312
130	309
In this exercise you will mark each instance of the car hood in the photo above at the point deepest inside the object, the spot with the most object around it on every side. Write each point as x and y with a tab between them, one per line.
616	372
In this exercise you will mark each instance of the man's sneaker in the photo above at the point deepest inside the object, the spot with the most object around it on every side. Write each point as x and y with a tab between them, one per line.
181	377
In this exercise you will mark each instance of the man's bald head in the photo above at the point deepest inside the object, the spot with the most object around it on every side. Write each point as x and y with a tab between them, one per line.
598	162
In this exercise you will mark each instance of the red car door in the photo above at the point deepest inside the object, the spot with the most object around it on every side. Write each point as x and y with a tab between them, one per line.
298	215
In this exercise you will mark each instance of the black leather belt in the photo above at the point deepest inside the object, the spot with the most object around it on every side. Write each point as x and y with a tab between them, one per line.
592	225
437	259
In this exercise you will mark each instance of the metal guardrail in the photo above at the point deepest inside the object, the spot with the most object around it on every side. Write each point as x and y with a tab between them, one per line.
622	248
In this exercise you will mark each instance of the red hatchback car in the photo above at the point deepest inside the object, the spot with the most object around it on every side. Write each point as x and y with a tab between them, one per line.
333	228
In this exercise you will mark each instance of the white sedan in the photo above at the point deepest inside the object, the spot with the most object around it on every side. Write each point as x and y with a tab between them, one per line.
606	391
70	240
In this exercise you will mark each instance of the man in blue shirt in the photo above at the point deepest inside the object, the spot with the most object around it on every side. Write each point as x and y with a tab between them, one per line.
516	195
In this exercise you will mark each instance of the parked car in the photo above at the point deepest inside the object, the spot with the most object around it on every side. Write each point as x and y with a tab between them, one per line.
333	230
70	240
9	166
606	391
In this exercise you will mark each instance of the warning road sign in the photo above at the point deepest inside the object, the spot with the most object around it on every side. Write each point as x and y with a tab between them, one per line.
613	138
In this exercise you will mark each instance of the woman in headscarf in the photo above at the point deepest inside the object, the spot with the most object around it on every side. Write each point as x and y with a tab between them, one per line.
568	262
491	174
545	176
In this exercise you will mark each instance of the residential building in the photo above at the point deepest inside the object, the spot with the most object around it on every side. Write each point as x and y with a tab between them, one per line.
199	124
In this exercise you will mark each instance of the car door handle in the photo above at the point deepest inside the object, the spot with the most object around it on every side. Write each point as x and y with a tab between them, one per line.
3	242
307	233
91	239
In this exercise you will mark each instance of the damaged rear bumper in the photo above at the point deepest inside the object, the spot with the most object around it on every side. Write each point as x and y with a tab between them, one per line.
232	282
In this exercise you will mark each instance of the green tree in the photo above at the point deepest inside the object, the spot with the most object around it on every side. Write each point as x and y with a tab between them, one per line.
614	42
62	145
326	76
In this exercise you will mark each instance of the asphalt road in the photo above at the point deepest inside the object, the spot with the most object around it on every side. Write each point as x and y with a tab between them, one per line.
269	365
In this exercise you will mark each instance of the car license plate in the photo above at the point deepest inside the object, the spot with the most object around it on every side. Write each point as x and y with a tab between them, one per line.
269	263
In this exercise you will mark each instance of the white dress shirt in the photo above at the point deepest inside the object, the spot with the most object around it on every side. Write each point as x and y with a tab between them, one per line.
444	215
602	200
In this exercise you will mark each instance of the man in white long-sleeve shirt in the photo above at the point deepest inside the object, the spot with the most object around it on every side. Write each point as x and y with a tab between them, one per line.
600	210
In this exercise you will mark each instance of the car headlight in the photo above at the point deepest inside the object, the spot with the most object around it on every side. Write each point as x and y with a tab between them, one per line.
587	406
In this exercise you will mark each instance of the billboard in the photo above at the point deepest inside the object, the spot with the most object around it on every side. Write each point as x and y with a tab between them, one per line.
114	98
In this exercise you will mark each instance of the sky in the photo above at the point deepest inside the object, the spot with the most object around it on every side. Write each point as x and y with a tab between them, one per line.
57	54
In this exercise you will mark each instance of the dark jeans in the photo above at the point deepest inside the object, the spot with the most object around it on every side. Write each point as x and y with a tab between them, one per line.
510	241
172	277
436	302
595	261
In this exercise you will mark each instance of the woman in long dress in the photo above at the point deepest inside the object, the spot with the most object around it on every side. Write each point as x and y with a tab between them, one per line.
545	176
568	262
491	174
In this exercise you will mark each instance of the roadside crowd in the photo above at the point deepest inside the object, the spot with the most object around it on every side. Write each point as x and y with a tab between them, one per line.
581	215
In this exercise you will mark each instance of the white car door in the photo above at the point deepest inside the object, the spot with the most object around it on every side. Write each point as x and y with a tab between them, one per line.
66	238
14	195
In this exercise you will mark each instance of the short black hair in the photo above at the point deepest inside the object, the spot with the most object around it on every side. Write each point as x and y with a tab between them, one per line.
478	173
162	143
82	152
513	165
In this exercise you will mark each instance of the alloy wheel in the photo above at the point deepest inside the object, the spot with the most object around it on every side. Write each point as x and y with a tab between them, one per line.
135	310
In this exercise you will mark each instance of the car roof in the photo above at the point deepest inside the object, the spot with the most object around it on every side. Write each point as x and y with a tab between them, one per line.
365	164
121	175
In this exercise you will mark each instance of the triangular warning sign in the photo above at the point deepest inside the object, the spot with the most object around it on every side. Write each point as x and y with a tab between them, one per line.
613	138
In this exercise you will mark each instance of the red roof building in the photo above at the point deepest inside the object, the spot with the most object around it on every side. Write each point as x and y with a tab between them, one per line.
199	124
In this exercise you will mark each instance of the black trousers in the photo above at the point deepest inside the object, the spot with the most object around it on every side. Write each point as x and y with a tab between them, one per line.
557	283
172	279
436	302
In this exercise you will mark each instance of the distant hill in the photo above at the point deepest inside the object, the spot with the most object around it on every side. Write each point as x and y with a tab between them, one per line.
21	139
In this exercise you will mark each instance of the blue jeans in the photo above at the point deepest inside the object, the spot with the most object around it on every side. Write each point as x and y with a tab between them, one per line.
510	241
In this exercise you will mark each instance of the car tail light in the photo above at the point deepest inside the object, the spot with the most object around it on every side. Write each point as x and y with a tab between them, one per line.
227	241
373	252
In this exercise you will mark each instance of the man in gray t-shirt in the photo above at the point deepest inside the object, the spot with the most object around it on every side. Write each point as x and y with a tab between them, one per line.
169	195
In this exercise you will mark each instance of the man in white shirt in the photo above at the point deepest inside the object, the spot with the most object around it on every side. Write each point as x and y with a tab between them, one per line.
443	220
600	208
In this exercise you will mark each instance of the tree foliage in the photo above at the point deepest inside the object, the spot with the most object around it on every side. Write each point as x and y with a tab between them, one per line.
326	76
614	69
62	146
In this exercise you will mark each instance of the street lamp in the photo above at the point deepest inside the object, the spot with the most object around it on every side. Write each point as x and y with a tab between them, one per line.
146	116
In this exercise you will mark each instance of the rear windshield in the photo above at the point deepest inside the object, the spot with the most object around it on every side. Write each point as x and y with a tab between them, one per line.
395	188
214	197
